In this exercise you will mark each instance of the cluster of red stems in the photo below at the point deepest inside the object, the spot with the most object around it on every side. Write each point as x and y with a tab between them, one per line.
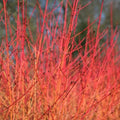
40	79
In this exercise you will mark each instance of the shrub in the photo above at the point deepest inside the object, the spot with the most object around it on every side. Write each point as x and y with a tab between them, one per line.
47	75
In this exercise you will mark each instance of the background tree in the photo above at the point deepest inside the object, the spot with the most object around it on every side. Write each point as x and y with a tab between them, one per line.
91	11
